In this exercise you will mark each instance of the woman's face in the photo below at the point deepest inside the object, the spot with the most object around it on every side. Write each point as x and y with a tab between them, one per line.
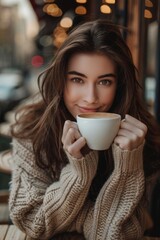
91	83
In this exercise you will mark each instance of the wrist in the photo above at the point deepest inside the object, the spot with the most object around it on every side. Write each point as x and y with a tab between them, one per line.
126	160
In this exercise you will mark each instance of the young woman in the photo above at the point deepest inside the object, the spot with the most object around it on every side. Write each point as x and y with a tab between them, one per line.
60	186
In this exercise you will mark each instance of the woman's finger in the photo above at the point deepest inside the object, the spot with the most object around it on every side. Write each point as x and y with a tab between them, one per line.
134	122
124	143
74	142
74	149
71	136
131	133
67	125
131	139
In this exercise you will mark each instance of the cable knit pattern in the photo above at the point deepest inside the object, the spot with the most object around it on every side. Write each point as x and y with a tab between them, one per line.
40	206
43	207
115	215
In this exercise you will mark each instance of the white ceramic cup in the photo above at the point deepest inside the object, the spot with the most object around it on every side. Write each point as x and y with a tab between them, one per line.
99	129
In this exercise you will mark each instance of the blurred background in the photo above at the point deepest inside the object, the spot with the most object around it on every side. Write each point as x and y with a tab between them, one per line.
32	30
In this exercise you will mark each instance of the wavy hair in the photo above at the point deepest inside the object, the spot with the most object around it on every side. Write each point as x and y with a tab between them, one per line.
42	122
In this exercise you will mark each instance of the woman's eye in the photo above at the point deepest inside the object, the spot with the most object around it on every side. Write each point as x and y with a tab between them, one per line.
77	80
105	82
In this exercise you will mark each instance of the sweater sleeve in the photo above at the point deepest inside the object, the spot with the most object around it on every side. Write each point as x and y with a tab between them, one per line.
118	213
38	205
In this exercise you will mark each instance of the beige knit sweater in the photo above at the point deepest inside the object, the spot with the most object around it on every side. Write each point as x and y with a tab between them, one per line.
43	208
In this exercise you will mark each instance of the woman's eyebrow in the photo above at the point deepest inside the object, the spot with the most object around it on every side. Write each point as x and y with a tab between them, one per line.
83	75
108	75
77	73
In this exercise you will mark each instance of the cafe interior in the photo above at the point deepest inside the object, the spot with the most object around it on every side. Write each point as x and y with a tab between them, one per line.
28	45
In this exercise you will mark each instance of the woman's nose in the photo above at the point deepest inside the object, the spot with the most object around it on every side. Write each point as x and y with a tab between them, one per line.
91	95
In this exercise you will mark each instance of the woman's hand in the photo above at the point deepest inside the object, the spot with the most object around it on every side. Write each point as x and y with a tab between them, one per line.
72	140
131	134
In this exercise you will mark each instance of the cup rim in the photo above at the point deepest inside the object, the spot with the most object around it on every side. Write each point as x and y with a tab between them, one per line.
114	115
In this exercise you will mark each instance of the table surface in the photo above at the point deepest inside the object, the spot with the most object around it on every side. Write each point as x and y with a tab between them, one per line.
11	232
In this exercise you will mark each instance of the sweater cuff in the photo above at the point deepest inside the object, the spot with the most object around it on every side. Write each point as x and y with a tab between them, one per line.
86	165
128	161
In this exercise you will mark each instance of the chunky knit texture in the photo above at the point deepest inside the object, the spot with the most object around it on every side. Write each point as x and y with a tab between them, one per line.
43	207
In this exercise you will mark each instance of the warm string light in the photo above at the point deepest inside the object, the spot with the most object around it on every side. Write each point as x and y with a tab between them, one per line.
66	22
59	36
53	10
147	12
67	19
110	1
148	3
81	9
105	8
81	1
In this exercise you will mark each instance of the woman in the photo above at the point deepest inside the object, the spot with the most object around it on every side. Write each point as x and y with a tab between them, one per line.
59	185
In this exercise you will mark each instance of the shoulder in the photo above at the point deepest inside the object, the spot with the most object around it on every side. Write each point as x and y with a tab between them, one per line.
25	161
22	144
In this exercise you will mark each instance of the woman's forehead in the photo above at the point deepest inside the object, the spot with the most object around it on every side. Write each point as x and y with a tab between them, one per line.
91	64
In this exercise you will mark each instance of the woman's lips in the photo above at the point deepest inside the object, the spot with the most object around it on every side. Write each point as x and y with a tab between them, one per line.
85	109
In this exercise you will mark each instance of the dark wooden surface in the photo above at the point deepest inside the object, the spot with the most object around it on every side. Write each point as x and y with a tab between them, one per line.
11	232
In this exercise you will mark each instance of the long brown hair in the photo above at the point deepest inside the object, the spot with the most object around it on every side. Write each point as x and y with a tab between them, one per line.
42	122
